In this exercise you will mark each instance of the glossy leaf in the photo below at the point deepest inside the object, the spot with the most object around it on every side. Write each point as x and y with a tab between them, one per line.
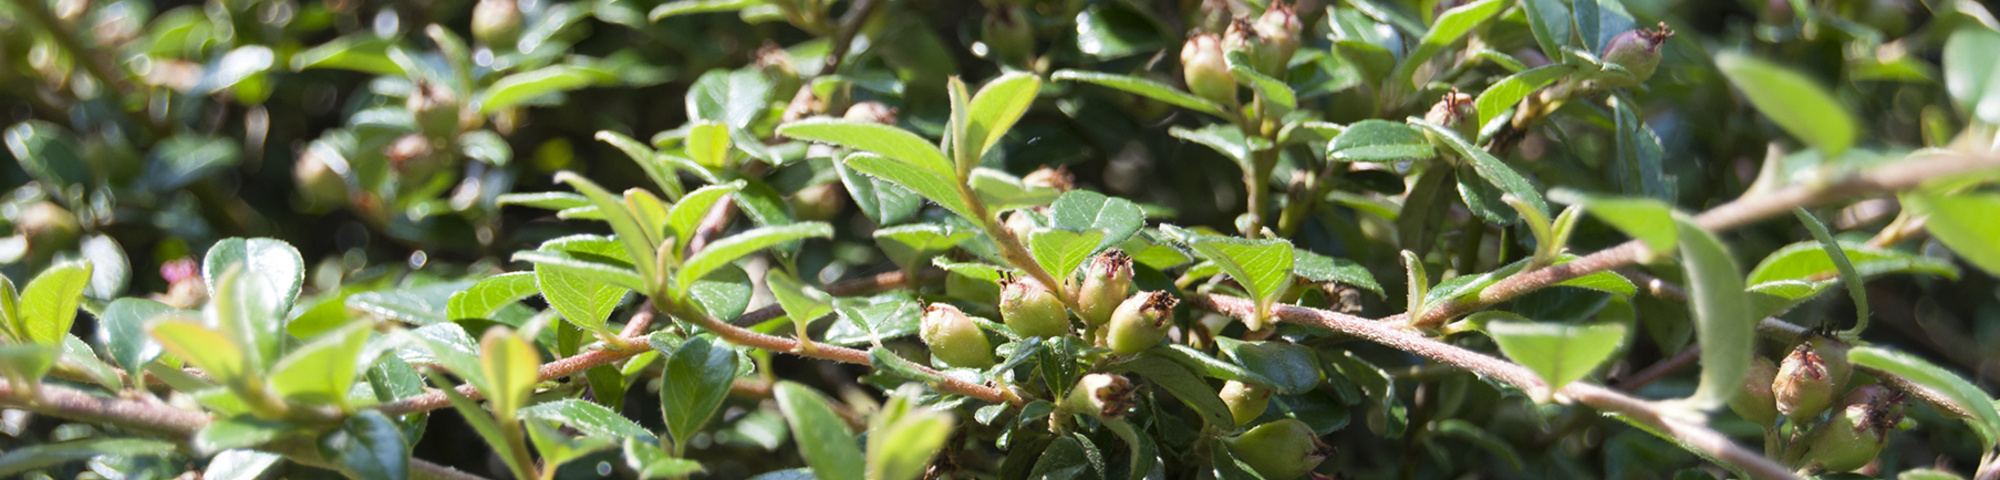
1450	26
1497	173
820	434
639	248
1322	268
48	305
512	370
911	246
1379	141
686	215
885	140
696	379
1183	385
1795	102
580	297
1808	261
735	98
1060	252
800	301
1549	20
1647	220
323	370
518	88
1558	353
369	445
47	152
490	294
589	418
729	249
1263	267
1507	92
1086	210
1271	89
122	331
1291	368
1143	87
1970	74
936	186
996	107
37	457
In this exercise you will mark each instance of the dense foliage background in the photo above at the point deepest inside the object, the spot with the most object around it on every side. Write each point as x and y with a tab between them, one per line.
253	238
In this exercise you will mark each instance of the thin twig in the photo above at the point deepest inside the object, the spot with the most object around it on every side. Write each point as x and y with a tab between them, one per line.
1660	370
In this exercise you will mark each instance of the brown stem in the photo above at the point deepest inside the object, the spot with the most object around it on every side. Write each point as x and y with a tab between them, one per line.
1660	370
1645	412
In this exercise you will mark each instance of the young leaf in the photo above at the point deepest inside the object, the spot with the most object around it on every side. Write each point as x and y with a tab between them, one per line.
1968	397
1960	222
822	437
1263	267
580	298
996	107
686	215
1086	210
801	302
708	144
48	305
1379	141
322	371
1724	324
1143	87
727	250
1558	353
589	418
491	294
628	230
512	370
1795	102
123	331
902	449
885	140
222	359
936	186
696	379
1509	91
370	445
1059	252
1448	29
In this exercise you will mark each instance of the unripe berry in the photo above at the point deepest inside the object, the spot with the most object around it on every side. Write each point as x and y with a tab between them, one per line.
1008	35
1280	450
48	228
436	109
819	201
319	184
954	338
1456	111
1755	401
1206	71
1245	401
1140	323
1279	27
777	65
1031	309
1803	387
871	112
1058	178
1105	283
415	158
1857	431
1101	395
1638	51
496	23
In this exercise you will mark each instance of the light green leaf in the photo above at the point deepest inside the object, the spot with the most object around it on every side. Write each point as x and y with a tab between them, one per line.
557	201
423	305
725	293
1795	102
1970	73
911	246
1960	221
902	449
996	107
1558	353
25	364
1647	220
512	369
1087	210
1263	267
322	371
1968	397
241	431
517	88
274	268
727	250
1059	252
1724	324
1001	191
109	270
361	52
485	298
589	418
222	359
1807	261
695	381
822	437
47	455
1496	172
1450	26
689	7
801	302
708	144
582	300
1379	141
885	140
1507	92
628	230
1143	87
619	274
48	305
11	320
686	215
1225	139
557	448
661	172
936	186
736	98
650	463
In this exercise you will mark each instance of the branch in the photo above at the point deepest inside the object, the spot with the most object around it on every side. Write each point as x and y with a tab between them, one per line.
1636	410
1743	211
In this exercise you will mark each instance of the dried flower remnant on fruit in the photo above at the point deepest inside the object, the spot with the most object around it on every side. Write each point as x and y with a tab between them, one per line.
1456	111
1105	281
1102	395
1803	387
1638	51
954	338
1031	309
1206	70
1140	323
1279	30
436	109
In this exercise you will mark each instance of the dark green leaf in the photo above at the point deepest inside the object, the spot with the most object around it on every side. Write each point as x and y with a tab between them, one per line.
1807	261
591	419
123	331
696	380
1321	268
47	152
1450	26
370	446
1507	92
1492	169
1375	140
1272	89
822	437
1183	385
911	246
37	457
1291	368
423	305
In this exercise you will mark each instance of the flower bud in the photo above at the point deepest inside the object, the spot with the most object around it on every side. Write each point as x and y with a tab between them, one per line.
1206	71
48	228
954	338
1102	395
319	184
1857	431
1279	27
436	109
1456	111
1009	37
1140	322
1803	387
1280	450
1755	401
1105	282
496	23
1245	401
1638	51
871	112
1031	309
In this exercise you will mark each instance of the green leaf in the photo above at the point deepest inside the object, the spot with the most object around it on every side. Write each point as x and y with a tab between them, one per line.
1321	268
322	371
272	269
649	462
423	305
488	296
1059	252
911	246
1379	141
1291	368
650	160
1507	92
109	270
996	107
1001	191
1087	210
1479	437
885	203
1984	420
38	457
370	445
885	140
1970	73
1450	26
1960	221
1272	89
241	431
123	331
589	418
902	449
580	298
736	98
724	294
485	146
1724	324
1183	385
25	364
557	448
1549	20
800	301
874	319
48	305
708	144
1647	220
1795	102
218	356
518	88
686	215
1640	167
1558	353
11	321
1496	172
1225	139
690	7
695	382
556	201
727	250
47	152
936	186
1807	261
638	245
1203	364
1143	87
512	370
822	437
361	52
1263	267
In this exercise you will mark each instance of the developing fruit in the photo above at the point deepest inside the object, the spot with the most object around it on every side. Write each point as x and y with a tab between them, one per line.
1245	401
1858	430
1638	51
1282	449
954	338
496	23
1140	322
319	185
436	109
1456	111
871	112
1206	71
1755	402
1008	35
819	201
1105	282
48	227
1102	395
1279	28
1031	309
1803	386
